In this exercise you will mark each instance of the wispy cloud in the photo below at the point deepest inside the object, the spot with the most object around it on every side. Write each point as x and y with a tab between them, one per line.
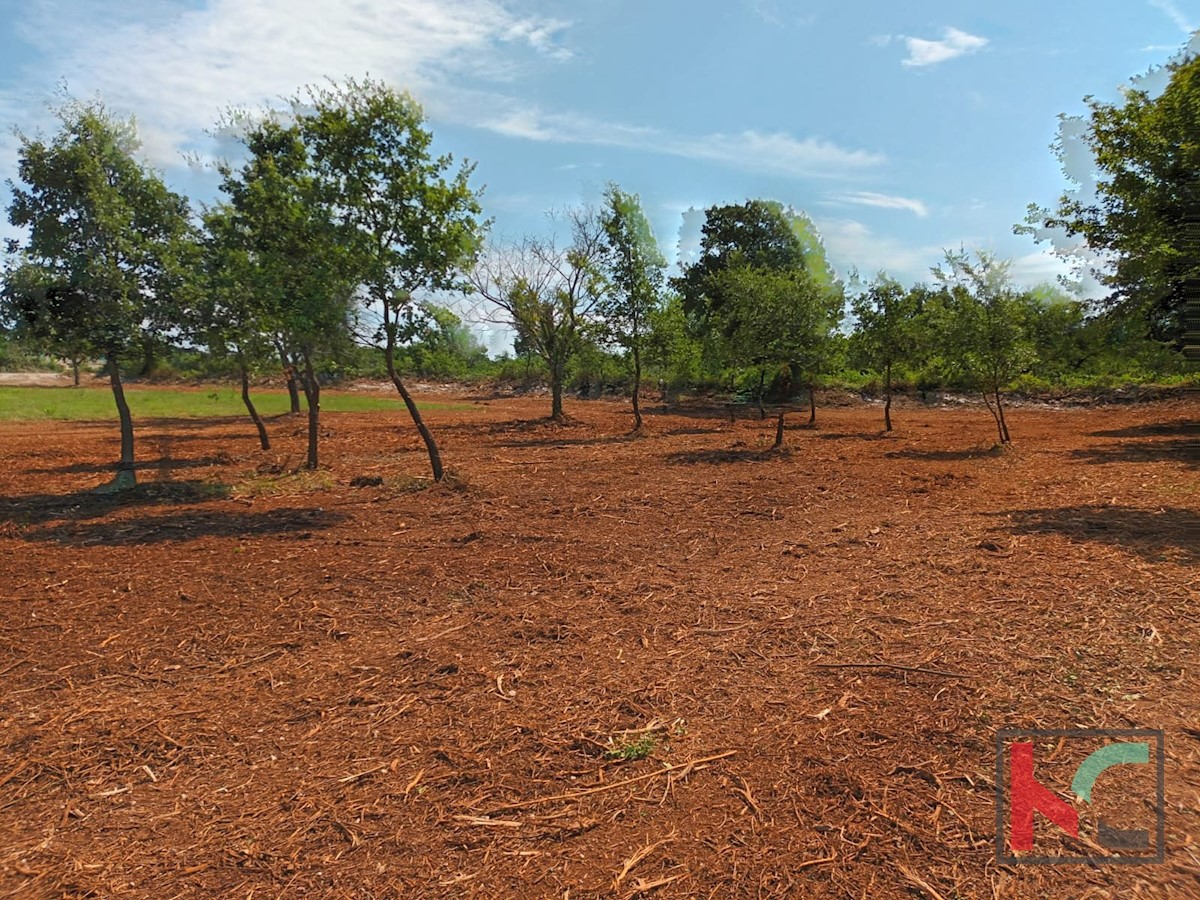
954	43
851	243
774	153
883	201
178	71
1174	13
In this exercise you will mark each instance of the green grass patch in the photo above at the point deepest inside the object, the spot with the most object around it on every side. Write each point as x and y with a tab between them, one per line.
96	403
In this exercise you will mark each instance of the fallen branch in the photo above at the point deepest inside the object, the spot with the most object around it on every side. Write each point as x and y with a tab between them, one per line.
884	665
571	795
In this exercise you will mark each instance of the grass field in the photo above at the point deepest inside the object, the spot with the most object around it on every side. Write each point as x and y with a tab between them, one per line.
87	403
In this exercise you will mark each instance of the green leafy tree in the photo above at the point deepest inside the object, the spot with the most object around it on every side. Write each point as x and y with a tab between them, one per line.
1137	228
886	331
757	233
230	316
982	328
414	219
671	348
771	320
634	266
547	294
308	270
107	251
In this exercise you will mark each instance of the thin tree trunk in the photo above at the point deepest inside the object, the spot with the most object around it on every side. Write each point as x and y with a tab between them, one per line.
1004	437
263	439
126	475
389	357
758	395
289	372
75	371
987	401
778	431
887	397
312	396
637	387
556	390
812	403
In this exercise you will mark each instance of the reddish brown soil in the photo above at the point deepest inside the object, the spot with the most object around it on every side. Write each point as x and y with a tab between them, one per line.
306	688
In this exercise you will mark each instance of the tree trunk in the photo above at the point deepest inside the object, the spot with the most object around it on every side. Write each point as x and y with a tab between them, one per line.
1004	437
637	387
887	397
289	372
762	376
987	401
126	475
75	371
556	390
312	396
389	357
812	403
254	416
778	431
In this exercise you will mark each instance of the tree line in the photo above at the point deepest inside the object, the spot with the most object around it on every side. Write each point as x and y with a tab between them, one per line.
338	226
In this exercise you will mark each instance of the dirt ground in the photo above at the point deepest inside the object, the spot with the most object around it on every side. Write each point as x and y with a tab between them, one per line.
592	666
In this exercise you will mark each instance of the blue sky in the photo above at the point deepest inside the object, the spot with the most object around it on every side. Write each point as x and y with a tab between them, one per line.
901	129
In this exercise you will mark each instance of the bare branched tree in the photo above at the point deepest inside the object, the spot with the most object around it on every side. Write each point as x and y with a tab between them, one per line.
546	293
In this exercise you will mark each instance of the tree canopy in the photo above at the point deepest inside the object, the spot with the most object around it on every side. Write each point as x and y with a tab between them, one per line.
1141	226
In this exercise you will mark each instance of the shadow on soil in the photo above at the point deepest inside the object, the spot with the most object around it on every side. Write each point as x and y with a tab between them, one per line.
1151	534
189	525
166	464
77	518
946	455
1153	429
35	509
1183	445
719	457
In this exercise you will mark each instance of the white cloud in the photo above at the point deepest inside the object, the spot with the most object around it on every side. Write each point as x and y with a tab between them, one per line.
773	153
1038	267
1174	13
850	243
177	71
954	43
883	201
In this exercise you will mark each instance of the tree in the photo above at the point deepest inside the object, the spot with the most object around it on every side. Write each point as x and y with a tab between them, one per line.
547	294
886	331
770	319
671	347
634	266
308	270
107	250
982	328
1139	221
230	314
756	233
415	229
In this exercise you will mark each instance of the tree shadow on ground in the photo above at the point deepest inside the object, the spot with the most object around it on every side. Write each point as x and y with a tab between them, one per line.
551	441
1153	429
165	464
33	509
861	436
1171	533
946	455
722	457
189	525
1184	449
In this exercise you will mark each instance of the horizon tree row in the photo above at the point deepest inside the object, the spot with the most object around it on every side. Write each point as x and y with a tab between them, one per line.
338	225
